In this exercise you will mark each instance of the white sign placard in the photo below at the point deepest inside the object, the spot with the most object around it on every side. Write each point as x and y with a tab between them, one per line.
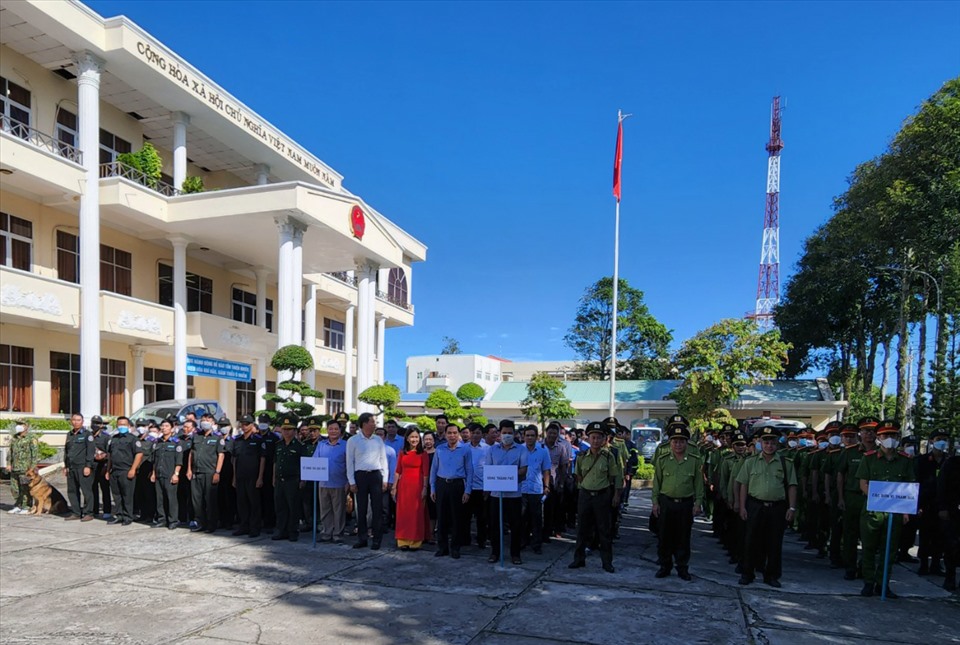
314	469
500	479
893	497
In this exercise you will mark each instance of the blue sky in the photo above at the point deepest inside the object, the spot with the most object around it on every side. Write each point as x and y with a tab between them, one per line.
487	131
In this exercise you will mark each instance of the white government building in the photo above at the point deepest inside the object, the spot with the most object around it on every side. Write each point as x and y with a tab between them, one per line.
118	289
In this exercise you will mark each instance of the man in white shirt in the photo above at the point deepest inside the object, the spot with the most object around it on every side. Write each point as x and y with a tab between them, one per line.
367	474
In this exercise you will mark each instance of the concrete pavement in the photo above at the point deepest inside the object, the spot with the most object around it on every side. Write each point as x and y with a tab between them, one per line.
72	582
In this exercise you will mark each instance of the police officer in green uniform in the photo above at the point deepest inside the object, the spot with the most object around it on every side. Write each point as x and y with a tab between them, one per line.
831	494
286	479
884	465
249	462
24	455
726	500
854	500
124	454
598	474
821	509
768	501
78	452
618	448
677	497
204	467
167	462
719	523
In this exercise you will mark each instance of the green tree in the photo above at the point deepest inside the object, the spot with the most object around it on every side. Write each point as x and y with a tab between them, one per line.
293	360
425	423
642	341
146	161
719	362
546	399
441	400
471	393
384	397
450	346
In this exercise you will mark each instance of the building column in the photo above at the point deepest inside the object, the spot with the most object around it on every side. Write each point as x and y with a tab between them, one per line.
137	399
261	378
263	174
261	274
296	285
381	332
88	131
180	122
179	317
310	337
224	397
364	356
370	321
283	312
348	402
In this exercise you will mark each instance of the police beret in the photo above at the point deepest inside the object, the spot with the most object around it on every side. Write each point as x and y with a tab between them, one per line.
678	431
939	432
833	426
223	422
728	428
848	428
246	419
142	421
264	418
888	426
96	419
596	427
867	423
677	419
739	437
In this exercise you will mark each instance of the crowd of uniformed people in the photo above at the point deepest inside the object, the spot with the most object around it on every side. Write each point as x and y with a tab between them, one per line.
754	484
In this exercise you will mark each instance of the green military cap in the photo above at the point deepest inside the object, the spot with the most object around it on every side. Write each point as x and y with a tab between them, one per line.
848	428
596	427
728	428
677	419
833	427
739	437
888	426
342	417
678	431
287	420
769	432
868	423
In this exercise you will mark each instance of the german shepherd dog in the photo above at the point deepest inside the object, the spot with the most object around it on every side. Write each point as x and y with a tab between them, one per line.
46	498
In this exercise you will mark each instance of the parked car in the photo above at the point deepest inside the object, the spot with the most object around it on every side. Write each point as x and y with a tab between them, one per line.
646	438
160	410
783	426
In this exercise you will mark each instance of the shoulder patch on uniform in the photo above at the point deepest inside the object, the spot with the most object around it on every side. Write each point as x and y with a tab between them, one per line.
89	437
223	442
179	448
139	445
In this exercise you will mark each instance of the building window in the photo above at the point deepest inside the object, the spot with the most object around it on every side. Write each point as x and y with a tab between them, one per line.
496	377
66	132
334	402
16	378
397	286
64	383
68	257
113	382
199	290
486	376
111	145
419	376
158	385
479	375
245	308
333	334
15	101
116	273
247	397
16	242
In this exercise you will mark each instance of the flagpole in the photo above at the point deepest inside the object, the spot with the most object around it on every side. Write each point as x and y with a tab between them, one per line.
616	263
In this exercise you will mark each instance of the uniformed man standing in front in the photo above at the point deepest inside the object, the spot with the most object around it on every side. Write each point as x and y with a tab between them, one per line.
677	498
101	487
832	494
270	439
78	452
24	455
124	454
768	501
598	475
854	499
286	479
249	463
204	465
885	465
167	462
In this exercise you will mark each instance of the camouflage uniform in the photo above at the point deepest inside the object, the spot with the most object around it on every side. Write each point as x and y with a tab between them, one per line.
24	455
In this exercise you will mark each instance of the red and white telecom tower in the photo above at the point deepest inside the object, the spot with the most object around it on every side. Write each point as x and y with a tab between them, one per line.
768	282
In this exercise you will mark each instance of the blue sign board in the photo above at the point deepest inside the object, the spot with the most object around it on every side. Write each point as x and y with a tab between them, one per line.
217	368
893	497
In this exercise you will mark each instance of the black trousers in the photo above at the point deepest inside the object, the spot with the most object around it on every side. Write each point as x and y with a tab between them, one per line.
286	498
476	508
145	494
122	489
594	518
763	542
227	496
554	516
101	488
168	507
533	519
450	509
77	484
511	518
203	494
185	499
369	495
267	497
931	537
248	505
676	523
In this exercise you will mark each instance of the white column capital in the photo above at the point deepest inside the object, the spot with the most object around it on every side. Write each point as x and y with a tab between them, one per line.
178	241
180	118
138	351
263	173
366	269
89	65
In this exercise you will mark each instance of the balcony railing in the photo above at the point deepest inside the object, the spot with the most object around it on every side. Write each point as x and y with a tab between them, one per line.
344	277
117	169
39	139
393	300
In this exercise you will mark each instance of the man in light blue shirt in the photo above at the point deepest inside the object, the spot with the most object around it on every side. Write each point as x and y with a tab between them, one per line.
392	436
534	487
506	453
332	494
451	481
476	508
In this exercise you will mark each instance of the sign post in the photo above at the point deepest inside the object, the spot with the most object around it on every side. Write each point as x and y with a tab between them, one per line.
314	469
500	479
891	498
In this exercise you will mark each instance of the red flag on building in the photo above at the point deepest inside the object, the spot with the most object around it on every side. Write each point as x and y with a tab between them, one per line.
618	158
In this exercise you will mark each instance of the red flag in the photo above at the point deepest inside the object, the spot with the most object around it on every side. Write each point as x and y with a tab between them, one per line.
617	160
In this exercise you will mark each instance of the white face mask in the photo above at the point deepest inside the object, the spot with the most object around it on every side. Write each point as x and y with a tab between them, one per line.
910	450
823	444
19	428
792	443
506	439
758	446
709	438
263	426
206	425
939	444
834	440
890	443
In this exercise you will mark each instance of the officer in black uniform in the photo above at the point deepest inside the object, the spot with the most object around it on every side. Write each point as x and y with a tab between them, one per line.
286	479
226	494
101	487
124	454
204	467
270	440
167	462
249	462
188	431
144	496
78	452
